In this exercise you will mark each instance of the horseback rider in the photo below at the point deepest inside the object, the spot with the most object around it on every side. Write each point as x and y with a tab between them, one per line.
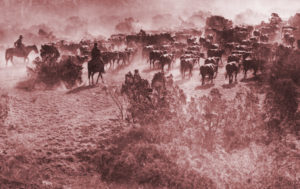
142	32
137	78
18	44
128	77
96	54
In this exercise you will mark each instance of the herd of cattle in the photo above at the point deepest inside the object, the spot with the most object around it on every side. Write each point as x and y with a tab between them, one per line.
238	49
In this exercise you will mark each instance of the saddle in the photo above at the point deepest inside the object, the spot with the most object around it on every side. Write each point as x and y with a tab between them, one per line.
20	50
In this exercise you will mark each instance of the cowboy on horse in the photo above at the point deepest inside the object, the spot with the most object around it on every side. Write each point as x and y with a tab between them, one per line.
19	50
96	54
18	44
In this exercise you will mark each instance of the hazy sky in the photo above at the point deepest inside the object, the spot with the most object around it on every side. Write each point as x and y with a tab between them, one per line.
100	17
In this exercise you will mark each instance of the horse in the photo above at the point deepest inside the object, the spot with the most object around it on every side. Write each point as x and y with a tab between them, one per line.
11	52
95	66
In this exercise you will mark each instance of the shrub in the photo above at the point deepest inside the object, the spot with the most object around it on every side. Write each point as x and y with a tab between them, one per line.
153	107
4	108
134	158
51	71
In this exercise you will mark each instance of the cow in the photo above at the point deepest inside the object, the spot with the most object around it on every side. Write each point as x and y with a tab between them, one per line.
234	58
123	56
256	33
110	58
146	51
232	68
215	53
250	64
187	64
166	59
208	69
155	56
213	60
264	38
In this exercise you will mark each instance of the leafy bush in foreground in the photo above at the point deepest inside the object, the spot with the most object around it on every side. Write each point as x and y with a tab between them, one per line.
134	158
51	71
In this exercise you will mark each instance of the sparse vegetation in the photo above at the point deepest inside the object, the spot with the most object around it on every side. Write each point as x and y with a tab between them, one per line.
51	71
211	127
4	108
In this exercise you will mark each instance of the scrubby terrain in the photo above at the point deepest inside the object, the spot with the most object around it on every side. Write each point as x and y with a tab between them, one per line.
219	138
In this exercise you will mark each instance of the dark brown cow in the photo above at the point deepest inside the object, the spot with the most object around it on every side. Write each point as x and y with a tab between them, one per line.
251	64
210	70
155	56
215	53
187	64
232	68
165	59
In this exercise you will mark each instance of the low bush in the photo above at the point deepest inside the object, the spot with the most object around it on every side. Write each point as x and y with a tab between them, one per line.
4	107
51	71
134	158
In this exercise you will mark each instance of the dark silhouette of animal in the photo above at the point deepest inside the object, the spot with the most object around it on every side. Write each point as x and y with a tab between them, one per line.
264	38
234	58
213	60
72	48
95	66
187	64
146	51
208	70
165	59
123	56
250	64
110	58
232	68
23	53
155	56
215	53
256	33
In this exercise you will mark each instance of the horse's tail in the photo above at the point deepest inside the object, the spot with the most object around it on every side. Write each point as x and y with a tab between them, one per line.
6	54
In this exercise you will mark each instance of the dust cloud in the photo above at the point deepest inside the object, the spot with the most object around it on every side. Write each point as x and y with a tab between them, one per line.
41	21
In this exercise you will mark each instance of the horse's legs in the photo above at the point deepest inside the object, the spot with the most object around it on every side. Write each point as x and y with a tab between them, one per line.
12	59
236	76
92	78
216	73
100	74
89	75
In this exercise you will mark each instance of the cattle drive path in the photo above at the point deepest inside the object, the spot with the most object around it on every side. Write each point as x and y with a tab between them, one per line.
49	130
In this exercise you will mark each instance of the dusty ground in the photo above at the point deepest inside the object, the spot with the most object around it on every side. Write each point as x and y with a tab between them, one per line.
48	132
